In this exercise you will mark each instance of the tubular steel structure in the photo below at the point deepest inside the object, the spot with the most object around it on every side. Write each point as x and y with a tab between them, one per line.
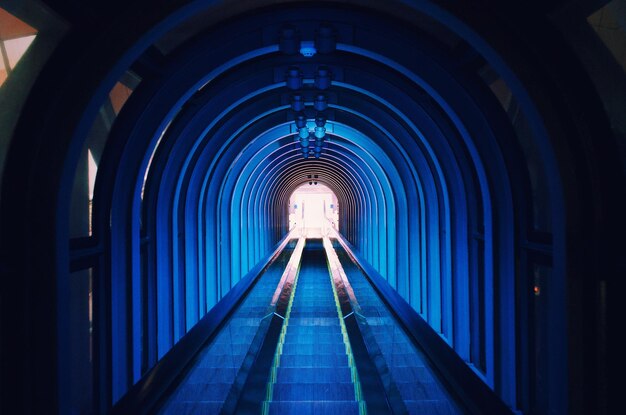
478	206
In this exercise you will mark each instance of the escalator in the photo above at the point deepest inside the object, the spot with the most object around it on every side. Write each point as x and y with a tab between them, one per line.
312	336
313	373
207	382
415	382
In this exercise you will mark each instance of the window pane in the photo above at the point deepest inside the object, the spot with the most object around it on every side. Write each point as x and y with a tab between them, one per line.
15	37
118	95
16	48
11	27
3	71
609	23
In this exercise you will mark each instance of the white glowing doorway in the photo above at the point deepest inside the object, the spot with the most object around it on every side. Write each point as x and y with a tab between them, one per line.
313	209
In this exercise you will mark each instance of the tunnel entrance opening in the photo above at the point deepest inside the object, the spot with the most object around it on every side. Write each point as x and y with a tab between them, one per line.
313	209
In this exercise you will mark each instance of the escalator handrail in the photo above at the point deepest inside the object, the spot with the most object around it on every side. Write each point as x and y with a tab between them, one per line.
246	396
144	395
475	395
379	393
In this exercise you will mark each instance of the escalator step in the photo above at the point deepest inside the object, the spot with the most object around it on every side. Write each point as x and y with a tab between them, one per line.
435	407
233	348
315	407
192	408
415	391
395	347
313	375
202	392
314	321
209	375
315	349
412	374
236	338
404	360
316	331
210	360
327	360
238	321
419	388
297	313
312	339
313	391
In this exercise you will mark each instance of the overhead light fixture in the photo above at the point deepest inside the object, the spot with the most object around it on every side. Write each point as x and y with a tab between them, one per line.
320	132
307	48
297	103
325	38
320	120
320	103
303	132
289	41
300	121
295	81
322	78
294	78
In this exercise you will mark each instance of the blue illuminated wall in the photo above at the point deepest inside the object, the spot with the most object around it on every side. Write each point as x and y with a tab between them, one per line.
415	160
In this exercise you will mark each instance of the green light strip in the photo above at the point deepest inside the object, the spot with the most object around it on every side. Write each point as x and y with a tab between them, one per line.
279	348
346	340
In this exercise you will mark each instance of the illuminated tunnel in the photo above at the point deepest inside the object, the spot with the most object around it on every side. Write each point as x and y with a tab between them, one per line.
474	170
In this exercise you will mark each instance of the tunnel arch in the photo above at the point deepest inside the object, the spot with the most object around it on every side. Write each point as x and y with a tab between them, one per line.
479	163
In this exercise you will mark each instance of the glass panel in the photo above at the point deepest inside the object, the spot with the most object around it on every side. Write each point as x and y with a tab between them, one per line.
502	92
3	71
81	342
11	27
92	170
15	48
15	38
80	208
532	155
609	23
206	385
409	376
118	95
85	177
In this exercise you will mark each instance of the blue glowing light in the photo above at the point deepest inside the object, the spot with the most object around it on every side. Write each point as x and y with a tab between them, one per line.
322	78
320	132
320	103
300	121
294	78
304	132
297	103
307	48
